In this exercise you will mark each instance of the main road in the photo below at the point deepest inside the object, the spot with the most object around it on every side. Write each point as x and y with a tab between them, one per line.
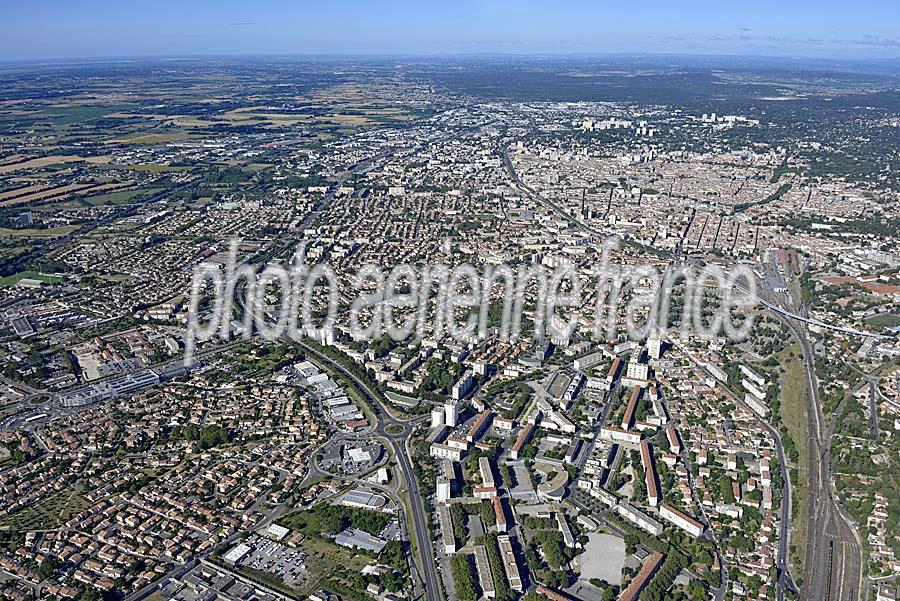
397	432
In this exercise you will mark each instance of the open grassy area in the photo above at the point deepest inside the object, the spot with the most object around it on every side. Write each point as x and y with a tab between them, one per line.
52	232
10	280
114	198
794	418
155	168
78	112
47	513
330	554
888	320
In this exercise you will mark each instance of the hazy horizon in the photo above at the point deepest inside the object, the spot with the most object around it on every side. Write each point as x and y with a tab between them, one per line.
101	29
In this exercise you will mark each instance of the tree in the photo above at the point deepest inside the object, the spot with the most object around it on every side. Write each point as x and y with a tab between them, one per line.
504	593
462	578
90	595
725	490
47	568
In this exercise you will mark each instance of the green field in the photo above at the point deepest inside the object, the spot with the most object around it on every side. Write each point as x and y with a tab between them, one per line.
47	513
115	198
70	114
888	320
52	232
10	280
155	168
793	416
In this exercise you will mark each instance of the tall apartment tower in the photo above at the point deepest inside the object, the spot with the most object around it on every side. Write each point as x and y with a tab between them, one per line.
451	414
437	417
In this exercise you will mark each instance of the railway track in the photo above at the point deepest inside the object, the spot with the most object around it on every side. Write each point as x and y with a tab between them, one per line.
830	570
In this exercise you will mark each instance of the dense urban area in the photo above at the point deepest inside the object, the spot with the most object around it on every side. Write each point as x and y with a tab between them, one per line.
327	466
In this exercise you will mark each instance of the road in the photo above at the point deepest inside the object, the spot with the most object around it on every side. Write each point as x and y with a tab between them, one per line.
833	569
397	433
869	379
124	211
719	593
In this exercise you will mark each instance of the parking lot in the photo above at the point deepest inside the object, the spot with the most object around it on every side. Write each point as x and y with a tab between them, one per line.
289	565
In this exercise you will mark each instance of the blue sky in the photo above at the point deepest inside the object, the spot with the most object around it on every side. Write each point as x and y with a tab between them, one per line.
41	29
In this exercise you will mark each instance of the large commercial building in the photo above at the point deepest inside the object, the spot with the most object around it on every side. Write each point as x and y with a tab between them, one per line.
363	499
110	389
124	384
360	539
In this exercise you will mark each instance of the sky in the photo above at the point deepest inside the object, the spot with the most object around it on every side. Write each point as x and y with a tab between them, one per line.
59	29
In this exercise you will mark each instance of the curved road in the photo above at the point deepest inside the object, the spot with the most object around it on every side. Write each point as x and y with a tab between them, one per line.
397	432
